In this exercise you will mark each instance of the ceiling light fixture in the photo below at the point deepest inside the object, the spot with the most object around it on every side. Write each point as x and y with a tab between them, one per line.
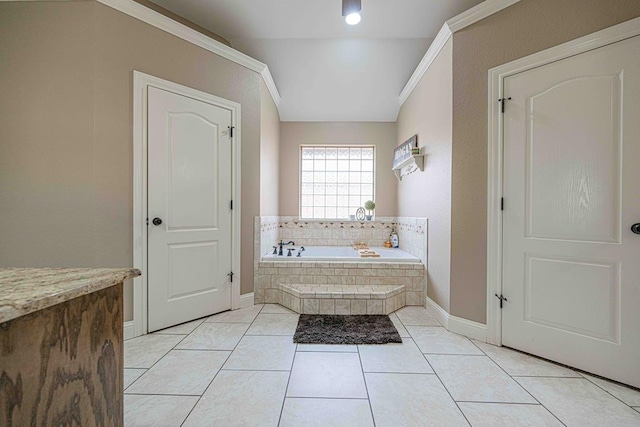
351	11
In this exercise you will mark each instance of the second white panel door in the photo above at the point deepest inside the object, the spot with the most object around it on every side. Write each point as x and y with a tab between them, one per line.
571	262
189	191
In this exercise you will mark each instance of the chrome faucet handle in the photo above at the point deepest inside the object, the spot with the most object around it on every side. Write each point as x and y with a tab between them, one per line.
289	250
275	250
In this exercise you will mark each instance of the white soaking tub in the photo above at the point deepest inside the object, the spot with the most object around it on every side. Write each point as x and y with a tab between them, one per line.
341	253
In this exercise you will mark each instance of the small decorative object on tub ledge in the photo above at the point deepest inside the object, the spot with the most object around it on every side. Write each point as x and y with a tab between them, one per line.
368	253
408	158
369	205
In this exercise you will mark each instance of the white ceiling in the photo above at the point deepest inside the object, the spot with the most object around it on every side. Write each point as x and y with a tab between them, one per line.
326	70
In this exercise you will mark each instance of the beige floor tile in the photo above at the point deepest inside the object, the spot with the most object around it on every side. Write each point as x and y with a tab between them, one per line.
409	400
331	348
183	329
274	324
156	411
326	413
241	398
214	336
262	353
144	351
416	316
516	363
276	309
186	372
628	395
507	415
399	326
242	315
477	379
326	375
431	340
576	401
130	375
405	357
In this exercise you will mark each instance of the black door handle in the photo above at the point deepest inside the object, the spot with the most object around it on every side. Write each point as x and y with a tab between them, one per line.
635	228
156	221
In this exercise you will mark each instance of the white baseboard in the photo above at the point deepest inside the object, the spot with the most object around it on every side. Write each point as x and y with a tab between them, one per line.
438	312
246	300
129	330
458	325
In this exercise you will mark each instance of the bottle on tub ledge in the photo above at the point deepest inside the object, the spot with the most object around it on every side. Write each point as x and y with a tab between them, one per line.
393	238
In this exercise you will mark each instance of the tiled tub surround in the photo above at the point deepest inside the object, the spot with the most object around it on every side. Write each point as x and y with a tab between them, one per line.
269	275
269	230
337	299
357	278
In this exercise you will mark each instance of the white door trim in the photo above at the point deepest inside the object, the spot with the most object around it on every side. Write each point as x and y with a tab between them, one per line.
497	75
141	82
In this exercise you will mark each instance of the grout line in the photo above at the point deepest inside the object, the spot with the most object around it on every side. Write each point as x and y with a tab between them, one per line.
606	391
366	388
454	354
547	376
399	373
156	362
253	370
436	374
519	385
221	366
501	403
145	371
162	394
327	398
286	389
446	389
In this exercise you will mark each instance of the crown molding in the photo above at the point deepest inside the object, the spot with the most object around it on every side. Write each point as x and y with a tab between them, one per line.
478	13
457	23
432	53
164	23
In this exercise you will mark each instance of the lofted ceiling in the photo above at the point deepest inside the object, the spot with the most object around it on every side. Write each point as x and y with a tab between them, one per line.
326	70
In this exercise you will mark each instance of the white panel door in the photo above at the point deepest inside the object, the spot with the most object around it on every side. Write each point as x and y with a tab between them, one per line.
189	190
571	263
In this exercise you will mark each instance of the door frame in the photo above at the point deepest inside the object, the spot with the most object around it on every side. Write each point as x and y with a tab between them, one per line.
497	75
141	83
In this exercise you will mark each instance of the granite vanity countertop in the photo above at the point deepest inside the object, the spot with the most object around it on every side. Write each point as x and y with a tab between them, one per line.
26	290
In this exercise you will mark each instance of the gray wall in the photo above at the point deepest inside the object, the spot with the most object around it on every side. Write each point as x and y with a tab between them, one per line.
66	130
428	112
517	31
269	155
380	134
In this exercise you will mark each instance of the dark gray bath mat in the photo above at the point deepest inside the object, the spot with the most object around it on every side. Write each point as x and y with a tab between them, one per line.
329	329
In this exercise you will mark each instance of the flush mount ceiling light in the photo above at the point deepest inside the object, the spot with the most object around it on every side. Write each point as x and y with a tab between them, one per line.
351	11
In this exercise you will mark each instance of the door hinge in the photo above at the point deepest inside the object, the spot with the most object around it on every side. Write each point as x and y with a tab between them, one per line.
147	221
501	298
231	205
231	128
502	203
502	102
230	277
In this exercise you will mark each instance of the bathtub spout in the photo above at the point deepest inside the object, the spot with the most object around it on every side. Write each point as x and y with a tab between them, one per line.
282	243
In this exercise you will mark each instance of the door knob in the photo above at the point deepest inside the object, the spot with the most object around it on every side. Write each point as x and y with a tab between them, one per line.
156	221
636	228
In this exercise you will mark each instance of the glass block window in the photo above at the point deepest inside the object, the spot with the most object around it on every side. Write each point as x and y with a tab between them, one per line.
335	180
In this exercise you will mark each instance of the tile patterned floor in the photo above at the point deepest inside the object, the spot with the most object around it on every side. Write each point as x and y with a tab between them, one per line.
241	368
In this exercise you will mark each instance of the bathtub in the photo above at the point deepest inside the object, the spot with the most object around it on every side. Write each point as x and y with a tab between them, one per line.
341	253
